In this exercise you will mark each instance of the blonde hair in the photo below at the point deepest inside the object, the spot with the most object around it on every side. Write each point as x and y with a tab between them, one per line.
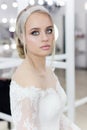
20	26
20	29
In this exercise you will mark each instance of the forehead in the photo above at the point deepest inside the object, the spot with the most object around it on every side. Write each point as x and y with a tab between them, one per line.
38	19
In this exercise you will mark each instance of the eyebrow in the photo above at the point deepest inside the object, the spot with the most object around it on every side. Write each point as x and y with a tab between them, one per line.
36	28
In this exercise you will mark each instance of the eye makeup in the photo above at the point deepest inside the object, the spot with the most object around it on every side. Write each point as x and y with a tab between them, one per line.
37	31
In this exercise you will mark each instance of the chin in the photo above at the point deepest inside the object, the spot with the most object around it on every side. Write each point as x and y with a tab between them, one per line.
47	54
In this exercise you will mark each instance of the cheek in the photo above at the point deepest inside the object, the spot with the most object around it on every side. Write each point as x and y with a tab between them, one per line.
52	38
30	41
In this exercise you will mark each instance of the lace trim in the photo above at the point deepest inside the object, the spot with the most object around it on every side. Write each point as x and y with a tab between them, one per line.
38	88
34	92
57	86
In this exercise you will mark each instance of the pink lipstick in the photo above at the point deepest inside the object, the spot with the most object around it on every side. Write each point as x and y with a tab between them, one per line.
45	47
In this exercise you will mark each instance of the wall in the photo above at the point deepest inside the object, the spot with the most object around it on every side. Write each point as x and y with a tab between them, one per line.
58	19
81	43
80	27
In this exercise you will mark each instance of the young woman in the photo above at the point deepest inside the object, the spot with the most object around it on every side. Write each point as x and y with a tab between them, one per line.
37	98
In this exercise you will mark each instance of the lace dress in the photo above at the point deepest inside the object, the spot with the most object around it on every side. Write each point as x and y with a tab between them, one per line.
37	109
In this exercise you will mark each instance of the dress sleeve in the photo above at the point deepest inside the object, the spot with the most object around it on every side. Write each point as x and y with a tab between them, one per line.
23	110
26	120
67	124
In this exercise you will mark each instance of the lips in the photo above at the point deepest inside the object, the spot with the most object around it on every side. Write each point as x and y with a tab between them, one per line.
45	47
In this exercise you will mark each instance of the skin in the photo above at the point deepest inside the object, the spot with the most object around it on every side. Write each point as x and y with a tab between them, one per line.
39	32
33	70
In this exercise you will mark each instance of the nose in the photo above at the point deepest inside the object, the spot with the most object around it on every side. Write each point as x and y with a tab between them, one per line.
44	36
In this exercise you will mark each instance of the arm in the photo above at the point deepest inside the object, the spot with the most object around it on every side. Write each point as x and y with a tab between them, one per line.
26	120
66	124
22	108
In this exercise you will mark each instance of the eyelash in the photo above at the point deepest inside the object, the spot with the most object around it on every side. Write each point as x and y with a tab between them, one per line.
36	33
49	31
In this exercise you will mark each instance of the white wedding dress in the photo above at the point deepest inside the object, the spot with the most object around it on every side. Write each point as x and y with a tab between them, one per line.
37	109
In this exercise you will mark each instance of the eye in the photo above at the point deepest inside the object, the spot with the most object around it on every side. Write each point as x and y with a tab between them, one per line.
35	33
49	30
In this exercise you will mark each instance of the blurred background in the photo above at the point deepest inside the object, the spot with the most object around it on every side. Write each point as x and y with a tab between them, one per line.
77	43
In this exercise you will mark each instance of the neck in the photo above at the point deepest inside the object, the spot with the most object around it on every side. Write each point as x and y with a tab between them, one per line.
38	64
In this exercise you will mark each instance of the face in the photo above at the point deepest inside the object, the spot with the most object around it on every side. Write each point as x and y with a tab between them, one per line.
39	35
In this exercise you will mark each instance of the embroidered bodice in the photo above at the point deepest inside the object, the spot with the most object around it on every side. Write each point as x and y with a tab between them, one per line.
33	108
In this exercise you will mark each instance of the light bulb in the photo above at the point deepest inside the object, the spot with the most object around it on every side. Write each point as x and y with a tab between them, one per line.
15	4
31	2
4	20
6	47
61	2
12	29
40	2
50	2
13	46
4	6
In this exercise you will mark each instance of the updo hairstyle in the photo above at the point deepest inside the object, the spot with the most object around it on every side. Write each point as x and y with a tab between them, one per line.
20	26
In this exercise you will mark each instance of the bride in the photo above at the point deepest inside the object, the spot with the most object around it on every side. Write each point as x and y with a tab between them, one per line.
36	96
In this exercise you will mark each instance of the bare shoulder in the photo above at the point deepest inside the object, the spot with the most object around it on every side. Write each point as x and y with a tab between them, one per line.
18	74
22	76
